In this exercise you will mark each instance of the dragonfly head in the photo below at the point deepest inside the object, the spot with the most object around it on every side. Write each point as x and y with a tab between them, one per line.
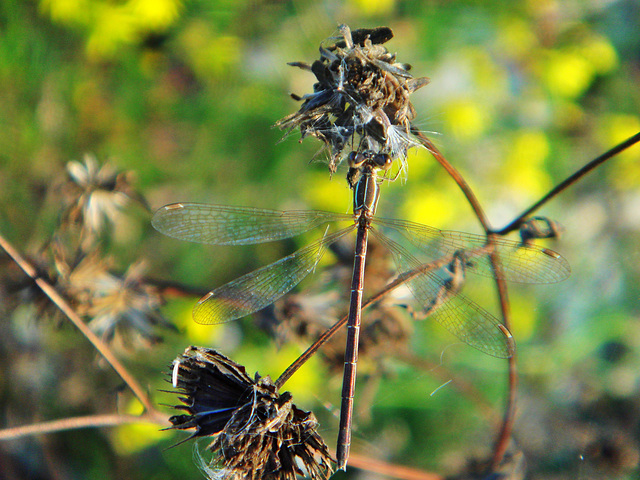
366	163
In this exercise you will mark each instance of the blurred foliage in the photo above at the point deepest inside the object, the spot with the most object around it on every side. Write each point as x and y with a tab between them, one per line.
184	94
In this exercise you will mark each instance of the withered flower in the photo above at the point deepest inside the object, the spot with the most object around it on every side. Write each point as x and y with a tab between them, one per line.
539	227
258	433
361	99
115	303
96	194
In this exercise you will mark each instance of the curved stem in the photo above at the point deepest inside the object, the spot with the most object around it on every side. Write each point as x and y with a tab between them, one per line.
506	428
63	305
74	423
515	224
457	177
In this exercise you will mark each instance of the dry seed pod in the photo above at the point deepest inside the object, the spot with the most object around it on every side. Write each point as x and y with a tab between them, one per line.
361	99
259	433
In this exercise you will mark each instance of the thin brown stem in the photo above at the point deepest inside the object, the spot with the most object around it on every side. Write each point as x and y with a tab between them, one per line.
457	177
515	224
390	470
505	433
504	436
506	428
74	423
63	305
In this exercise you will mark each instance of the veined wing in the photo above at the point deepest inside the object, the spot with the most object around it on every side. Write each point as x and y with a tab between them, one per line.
225	225
260	288
520	263
461	316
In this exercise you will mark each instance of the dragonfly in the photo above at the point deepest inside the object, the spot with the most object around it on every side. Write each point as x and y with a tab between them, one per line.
437	291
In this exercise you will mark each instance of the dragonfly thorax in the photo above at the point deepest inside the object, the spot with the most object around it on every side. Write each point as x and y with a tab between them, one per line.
364	181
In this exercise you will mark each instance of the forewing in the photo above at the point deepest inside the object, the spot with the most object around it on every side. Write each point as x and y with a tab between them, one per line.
225	225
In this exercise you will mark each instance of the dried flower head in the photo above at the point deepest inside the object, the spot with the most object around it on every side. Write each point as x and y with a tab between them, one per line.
123	303
361	100
96	194
258	432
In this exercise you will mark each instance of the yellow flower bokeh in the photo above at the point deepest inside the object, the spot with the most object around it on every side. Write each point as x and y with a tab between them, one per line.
567	74
600	53
109	25
524	165
615	128
372	8
465	119
135	437
431	207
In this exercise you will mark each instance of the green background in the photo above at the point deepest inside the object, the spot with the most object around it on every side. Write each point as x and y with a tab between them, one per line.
185	94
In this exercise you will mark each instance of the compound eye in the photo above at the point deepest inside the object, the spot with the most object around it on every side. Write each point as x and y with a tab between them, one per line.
382	161
356	159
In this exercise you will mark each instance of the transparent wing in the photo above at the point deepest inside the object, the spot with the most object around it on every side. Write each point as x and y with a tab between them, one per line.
260	288
462	317
224	225
520	263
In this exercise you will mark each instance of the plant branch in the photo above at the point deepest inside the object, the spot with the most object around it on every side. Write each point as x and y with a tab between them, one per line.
515	224
457	177
506	428
63	305
390	470
74	423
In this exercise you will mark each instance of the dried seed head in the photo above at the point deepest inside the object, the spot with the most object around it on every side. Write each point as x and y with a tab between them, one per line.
118	306
95	196
123	304
258	432
96	193
361	99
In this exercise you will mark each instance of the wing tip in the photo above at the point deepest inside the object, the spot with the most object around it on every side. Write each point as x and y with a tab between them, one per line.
511	343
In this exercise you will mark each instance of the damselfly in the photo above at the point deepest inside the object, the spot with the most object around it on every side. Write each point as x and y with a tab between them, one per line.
438	292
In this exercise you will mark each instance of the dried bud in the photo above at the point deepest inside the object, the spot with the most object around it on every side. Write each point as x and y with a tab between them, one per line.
258	432
361	100
539	227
